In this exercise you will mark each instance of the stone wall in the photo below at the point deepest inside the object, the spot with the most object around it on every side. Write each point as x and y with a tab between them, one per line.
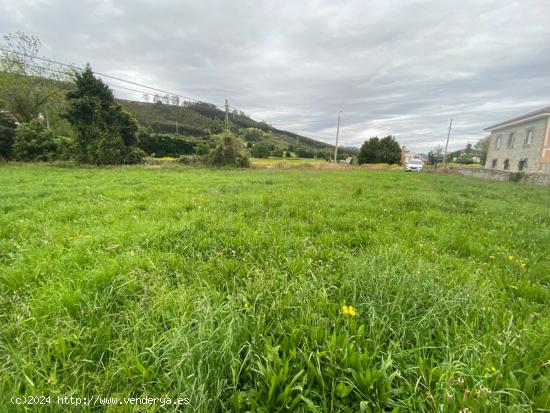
538	178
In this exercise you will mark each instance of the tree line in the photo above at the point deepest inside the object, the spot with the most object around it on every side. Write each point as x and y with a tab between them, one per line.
72	115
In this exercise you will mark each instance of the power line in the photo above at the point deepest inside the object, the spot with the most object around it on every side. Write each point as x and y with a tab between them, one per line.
100	74
303	123
75	67
68	73
39	67
125	81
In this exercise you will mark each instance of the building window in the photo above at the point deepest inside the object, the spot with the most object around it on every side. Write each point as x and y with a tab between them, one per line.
522	165
497	142
494	163
511	139
528	138
507	164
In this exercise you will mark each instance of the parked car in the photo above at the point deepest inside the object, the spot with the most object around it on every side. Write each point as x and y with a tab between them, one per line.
414	165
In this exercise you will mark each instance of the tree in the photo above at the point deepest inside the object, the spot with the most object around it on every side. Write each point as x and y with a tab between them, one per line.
28	88
369	152
252	134
480	149
324	154
105	132
466	155
305	153
7	136
389	151
435	156
261	150
385	150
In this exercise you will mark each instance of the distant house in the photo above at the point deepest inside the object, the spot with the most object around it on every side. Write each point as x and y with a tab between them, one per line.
467	155
407	155
10	116
521	143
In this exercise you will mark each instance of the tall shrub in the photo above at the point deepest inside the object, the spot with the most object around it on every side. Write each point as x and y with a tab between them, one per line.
228	153
104	132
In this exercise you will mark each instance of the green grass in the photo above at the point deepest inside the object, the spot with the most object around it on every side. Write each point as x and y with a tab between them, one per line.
227	287
285	161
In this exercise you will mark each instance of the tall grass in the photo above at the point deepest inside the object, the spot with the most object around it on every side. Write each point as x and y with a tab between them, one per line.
227	287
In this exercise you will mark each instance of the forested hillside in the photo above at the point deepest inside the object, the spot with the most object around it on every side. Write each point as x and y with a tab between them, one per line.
165	129
202	120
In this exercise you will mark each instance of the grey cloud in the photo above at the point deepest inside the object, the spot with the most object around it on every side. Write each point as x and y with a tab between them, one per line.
393	67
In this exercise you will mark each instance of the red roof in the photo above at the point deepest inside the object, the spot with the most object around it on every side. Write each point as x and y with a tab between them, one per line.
543	111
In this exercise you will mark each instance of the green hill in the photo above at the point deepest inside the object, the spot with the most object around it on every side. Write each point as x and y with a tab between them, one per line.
199	121
185	127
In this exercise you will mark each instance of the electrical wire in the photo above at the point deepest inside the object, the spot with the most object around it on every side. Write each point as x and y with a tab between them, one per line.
100	74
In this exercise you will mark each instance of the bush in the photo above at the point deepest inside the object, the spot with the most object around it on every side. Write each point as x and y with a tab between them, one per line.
7	136
516	176
305	153
228	153
191	160
111	150
202	148
261	150
33	142
252	134
134	156
65	148
242	161
164	145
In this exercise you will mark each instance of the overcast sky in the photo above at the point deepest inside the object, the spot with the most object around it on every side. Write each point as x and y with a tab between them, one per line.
393	67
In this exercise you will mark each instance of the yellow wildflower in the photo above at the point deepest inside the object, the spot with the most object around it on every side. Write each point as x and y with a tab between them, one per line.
493	369
510	258
349	310
522	265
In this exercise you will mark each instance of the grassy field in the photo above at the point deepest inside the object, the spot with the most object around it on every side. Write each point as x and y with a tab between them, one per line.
272	290
285	161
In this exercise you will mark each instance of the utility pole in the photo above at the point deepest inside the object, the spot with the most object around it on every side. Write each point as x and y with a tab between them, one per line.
177	132
337	135
447	144
46	116
226	126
